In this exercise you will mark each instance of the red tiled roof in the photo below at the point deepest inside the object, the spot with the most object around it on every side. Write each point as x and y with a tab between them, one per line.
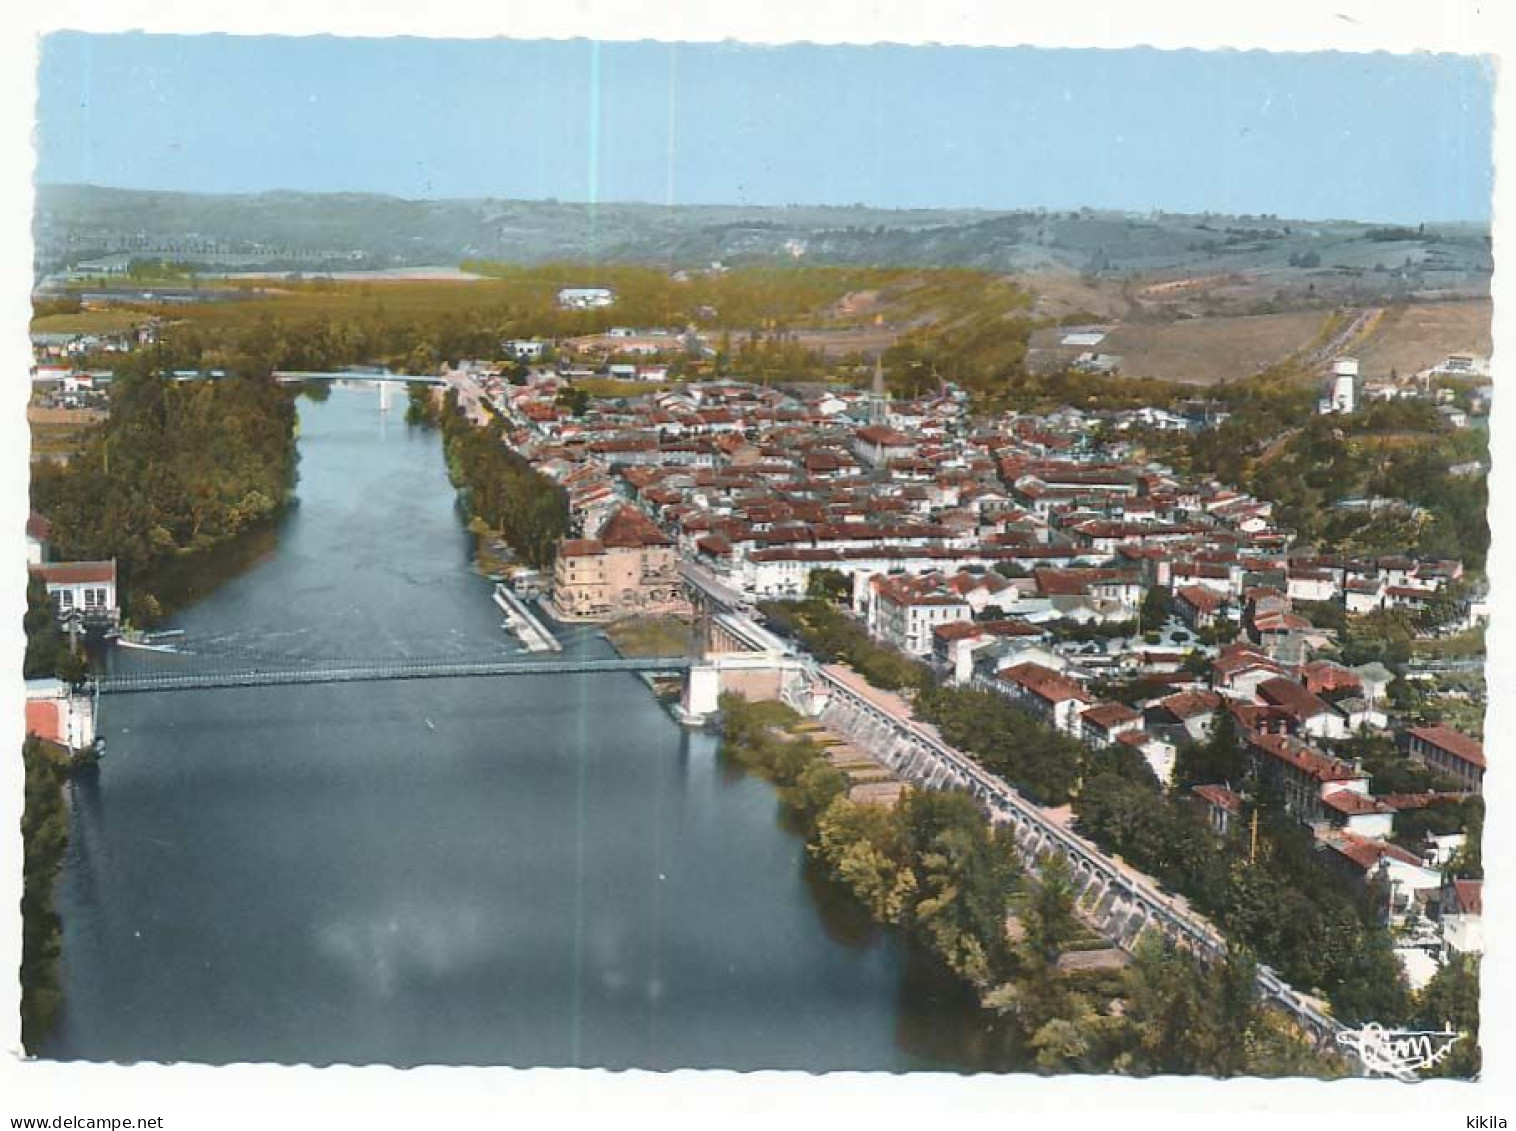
1402	801
1366	853
957	630
1470	895
75	573
1456	743
1304	757
1191	704
1220	796
629	528
1353	804
1108	715
1199	598
1044	683
1292	697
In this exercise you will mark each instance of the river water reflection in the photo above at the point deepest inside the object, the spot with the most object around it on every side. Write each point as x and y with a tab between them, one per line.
543	871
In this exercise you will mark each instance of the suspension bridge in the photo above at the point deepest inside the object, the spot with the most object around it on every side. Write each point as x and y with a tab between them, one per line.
157	680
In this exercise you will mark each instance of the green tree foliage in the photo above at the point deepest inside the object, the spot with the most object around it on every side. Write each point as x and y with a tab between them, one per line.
1048	917
753	736
1042	763
574	401
1218	760
1157	605
832	637
44	835
421	407
47	648
1451	1001
829	585
502	488
178	468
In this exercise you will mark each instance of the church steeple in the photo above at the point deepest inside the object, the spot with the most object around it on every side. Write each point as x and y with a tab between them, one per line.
879	399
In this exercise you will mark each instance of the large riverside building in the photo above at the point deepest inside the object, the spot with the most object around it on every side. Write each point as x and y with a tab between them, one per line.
630	568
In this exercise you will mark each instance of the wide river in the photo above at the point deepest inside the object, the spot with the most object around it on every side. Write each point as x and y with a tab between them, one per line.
528	871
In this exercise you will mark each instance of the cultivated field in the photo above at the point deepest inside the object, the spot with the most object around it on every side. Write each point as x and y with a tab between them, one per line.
1210	350
1409	339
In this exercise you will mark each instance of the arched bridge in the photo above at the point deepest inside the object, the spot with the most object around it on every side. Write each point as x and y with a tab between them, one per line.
158	681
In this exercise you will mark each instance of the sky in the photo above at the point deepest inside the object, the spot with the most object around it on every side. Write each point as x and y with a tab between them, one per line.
1309	136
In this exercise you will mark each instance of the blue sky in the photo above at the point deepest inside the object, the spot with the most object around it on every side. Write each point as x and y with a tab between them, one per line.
1373	137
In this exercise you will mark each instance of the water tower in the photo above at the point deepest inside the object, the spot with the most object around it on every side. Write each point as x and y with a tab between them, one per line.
1344	393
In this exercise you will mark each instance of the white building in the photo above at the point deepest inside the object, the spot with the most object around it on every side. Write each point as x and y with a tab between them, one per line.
586	298
903	610
86	587
526	349
55	712
1342	393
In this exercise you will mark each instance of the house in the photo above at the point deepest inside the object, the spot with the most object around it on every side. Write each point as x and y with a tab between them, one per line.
1054	697
1103	723
1198	605
1363	595
525	349
1222	806
1159	753
877	445
1461	911
56	713
1407	881
1302	774
1358	813
903	610
629	568
1311	715
88	588
1450	751
1188	716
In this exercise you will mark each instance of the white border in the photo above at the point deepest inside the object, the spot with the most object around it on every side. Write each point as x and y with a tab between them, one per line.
393	1098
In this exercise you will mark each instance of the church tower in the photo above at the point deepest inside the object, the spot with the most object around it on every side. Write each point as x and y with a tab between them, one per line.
879	399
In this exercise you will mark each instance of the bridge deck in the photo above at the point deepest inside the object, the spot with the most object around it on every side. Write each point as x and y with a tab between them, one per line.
141	682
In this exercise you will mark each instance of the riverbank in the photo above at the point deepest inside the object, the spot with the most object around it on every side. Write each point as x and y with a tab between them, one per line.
637	637
44	837
933	865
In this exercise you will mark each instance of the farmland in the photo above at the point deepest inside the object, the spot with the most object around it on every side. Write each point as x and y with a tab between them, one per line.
1409	339
1207	350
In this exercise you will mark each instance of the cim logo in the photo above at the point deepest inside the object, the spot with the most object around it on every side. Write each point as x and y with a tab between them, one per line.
1401	1053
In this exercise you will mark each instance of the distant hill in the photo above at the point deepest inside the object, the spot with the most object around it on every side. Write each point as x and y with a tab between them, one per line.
80	225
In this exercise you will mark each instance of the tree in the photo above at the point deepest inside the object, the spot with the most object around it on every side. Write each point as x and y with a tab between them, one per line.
1451	1001
44	835
1218	760
1049	919
829	585
574	400
1156	608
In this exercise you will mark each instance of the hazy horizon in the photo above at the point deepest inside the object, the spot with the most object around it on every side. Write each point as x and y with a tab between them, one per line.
864	206
1320	136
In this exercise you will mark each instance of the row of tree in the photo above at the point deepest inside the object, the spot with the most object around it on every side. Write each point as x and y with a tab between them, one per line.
501	488
44	836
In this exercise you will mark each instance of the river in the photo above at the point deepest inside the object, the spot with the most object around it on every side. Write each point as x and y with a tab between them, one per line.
539	871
